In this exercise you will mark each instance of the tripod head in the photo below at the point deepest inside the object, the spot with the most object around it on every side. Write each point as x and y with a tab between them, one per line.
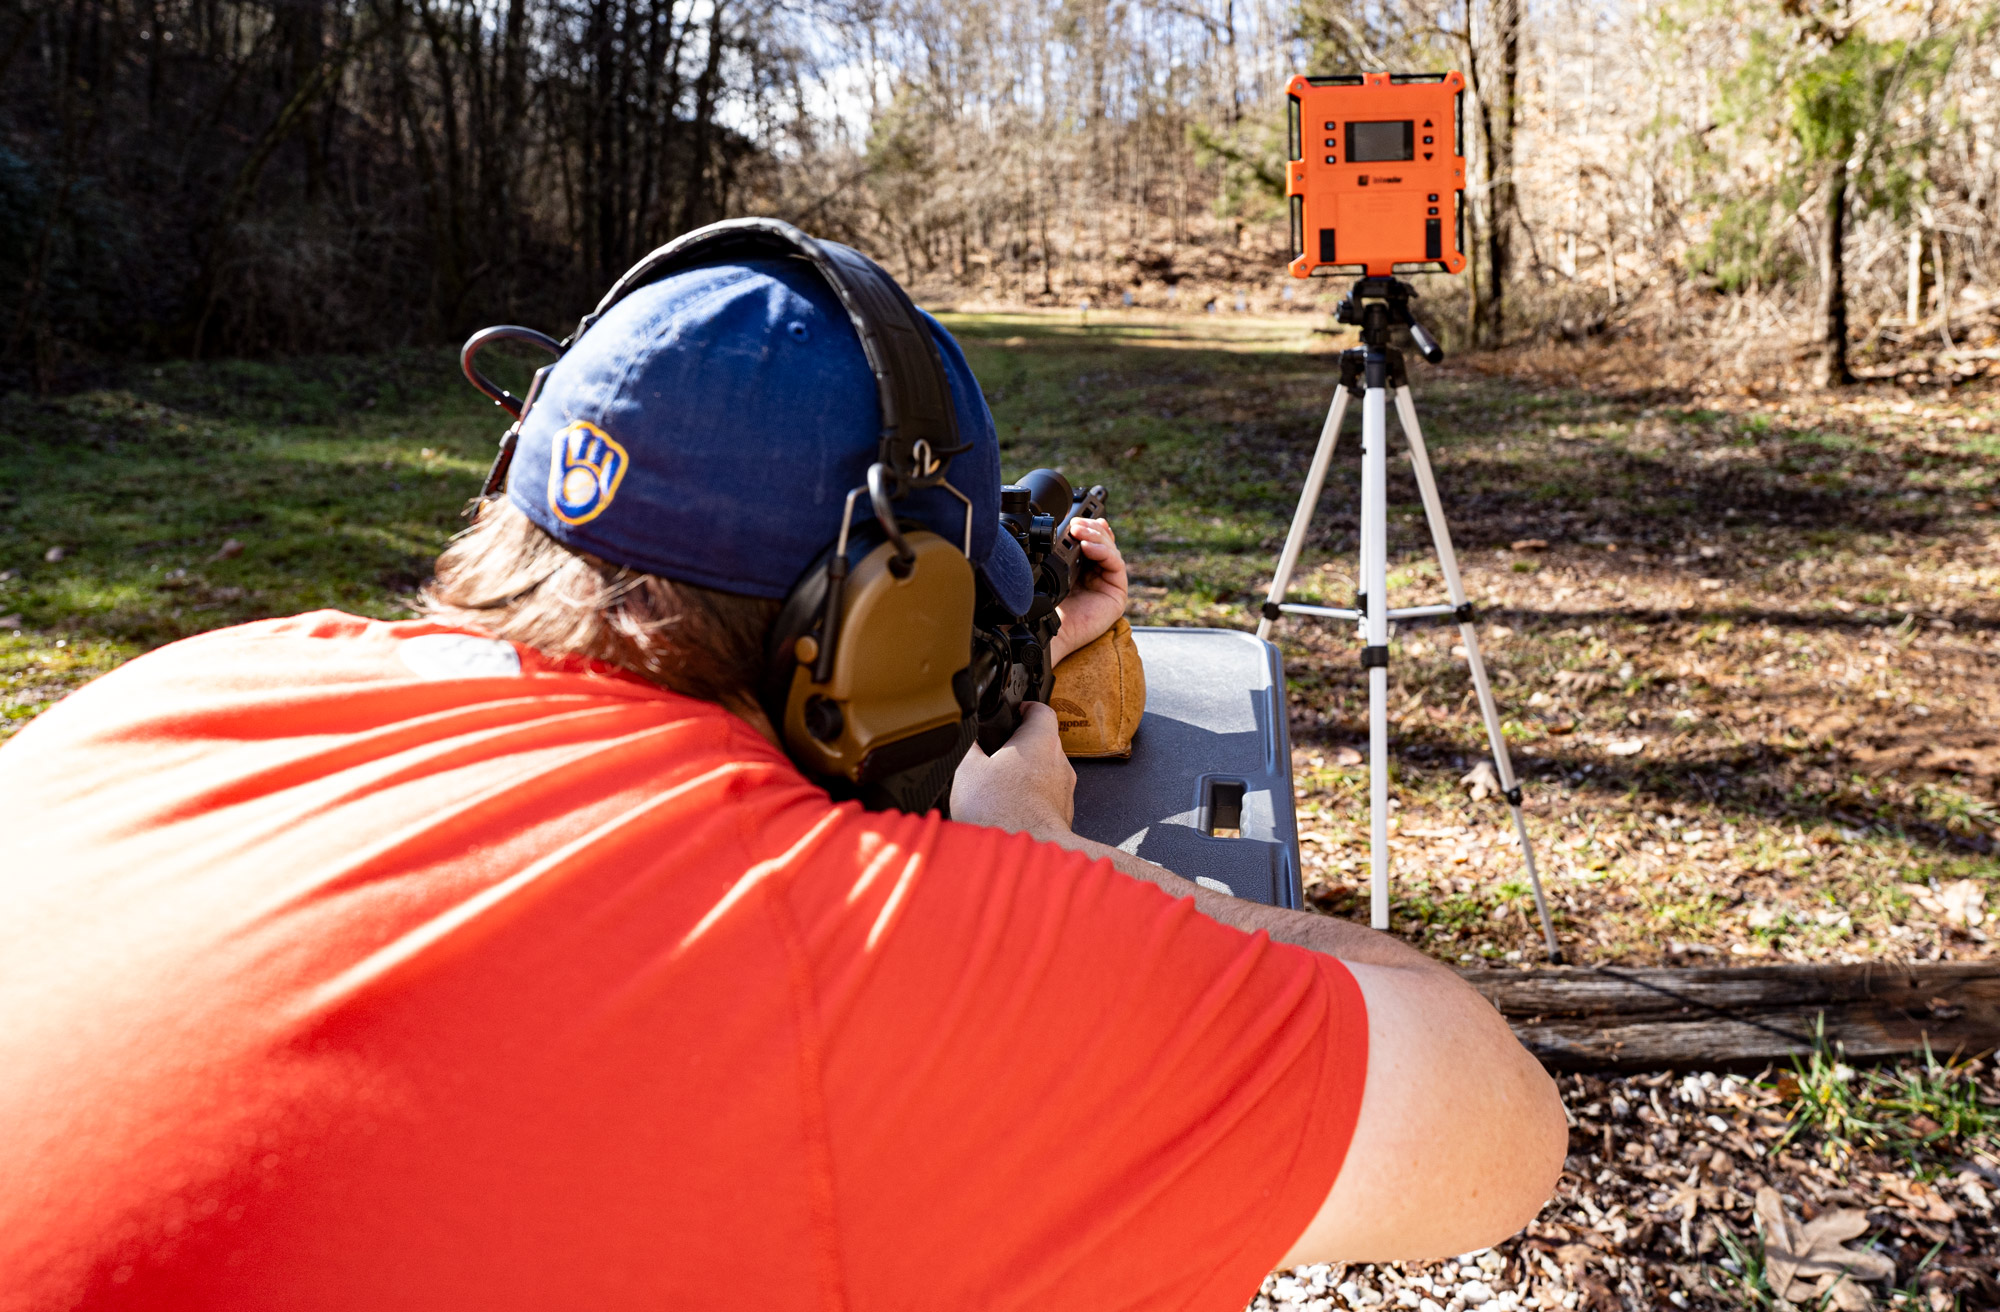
1378	304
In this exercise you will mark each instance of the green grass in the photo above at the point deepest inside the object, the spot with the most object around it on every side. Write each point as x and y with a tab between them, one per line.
338	479
1926	1111
1743	1282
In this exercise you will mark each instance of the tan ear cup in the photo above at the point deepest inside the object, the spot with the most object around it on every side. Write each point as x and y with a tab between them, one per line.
893	701
1100	695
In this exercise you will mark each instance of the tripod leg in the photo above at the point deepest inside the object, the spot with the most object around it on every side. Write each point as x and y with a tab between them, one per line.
1295	541
1375	627
1420	460
1365	534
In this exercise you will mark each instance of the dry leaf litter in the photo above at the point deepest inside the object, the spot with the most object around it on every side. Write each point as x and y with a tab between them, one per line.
1681	1193
1746	650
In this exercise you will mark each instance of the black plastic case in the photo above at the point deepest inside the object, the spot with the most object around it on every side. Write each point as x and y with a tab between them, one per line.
1211	754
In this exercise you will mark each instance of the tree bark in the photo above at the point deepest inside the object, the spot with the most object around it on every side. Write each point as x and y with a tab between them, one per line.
1498	114
1832	370
1646	1018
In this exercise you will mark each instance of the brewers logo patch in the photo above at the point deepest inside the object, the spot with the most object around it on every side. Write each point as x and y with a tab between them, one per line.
585	468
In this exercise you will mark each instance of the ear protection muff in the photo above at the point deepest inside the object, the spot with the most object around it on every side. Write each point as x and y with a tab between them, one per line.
892	715
867	674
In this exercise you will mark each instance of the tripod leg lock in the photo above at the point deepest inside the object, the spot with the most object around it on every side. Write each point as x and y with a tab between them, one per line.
1374	656
1351	372
1466	613
1271	610
1513	795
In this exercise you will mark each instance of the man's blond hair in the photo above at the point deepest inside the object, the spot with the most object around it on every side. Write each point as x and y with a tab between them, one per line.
506	576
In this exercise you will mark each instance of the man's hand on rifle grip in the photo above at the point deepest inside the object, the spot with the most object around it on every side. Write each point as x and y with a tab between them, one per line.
1095	606
1028	786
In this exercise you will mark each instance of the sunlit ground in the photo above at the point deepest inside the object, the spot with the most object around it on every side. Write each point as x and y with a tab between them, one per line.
1752	679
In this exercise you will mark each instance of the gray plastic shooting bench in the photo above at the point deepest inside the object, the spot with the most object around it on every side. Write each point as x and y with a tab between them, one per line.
1207	792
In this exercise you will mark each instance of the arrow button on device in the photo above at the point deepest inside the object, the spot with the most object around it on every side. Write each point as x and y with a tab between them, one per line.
1427	154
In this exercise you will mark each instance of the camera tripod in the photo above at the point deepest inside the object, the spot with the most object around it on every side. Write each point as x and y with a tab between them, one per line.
1374	373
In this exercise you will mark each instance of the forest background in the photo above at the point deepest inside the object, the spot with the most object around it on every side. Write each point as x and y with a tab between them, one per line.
1743	189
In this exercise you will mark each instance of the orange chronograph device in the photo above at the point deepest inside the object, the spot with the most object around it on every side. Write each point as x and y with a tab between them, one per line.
1377	173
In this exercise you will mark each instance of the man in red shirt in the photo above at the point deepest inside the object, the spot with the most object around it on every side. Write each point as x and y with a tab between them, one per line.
502	959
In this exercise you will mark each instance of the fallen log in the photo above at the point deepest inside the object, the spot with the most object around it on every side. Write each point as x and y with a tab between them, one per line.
1653	1018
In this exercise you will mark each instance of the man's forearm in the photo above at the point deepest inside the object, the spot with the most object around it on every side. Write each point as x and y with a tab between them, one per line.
1028	786
1338	938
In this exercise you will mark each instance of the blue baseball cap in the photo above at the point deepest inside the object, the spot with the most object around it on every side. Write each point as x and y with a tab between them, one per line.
709	427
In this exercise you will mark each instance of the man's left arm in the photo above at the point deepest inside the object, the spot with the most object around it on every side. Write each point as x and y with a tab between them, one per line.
1439	1163
1045	1085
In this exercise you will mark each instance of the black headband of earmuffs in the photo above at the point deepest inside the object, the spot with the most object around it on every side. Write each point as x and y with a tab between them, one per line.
919	424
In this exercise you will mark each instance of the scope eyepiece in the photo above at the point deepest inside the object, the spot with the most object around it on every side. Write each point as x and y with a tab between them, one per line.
1048	491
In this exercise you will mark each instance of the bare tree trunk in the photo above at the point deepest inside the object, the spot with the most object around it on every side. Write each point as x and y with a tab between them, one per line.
707	88
449	217
1832	370
1230	67
1914	302
506	146
1498	114
1048	259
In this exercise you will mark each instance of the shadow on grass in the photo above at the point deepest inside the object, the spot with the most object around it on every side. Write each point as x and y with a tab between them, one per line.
1230	433
1861	622
308	390
1734	779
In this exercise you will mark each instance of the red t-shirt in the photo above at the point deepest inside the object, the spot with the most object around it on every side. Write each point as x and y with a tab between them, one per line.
352	965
